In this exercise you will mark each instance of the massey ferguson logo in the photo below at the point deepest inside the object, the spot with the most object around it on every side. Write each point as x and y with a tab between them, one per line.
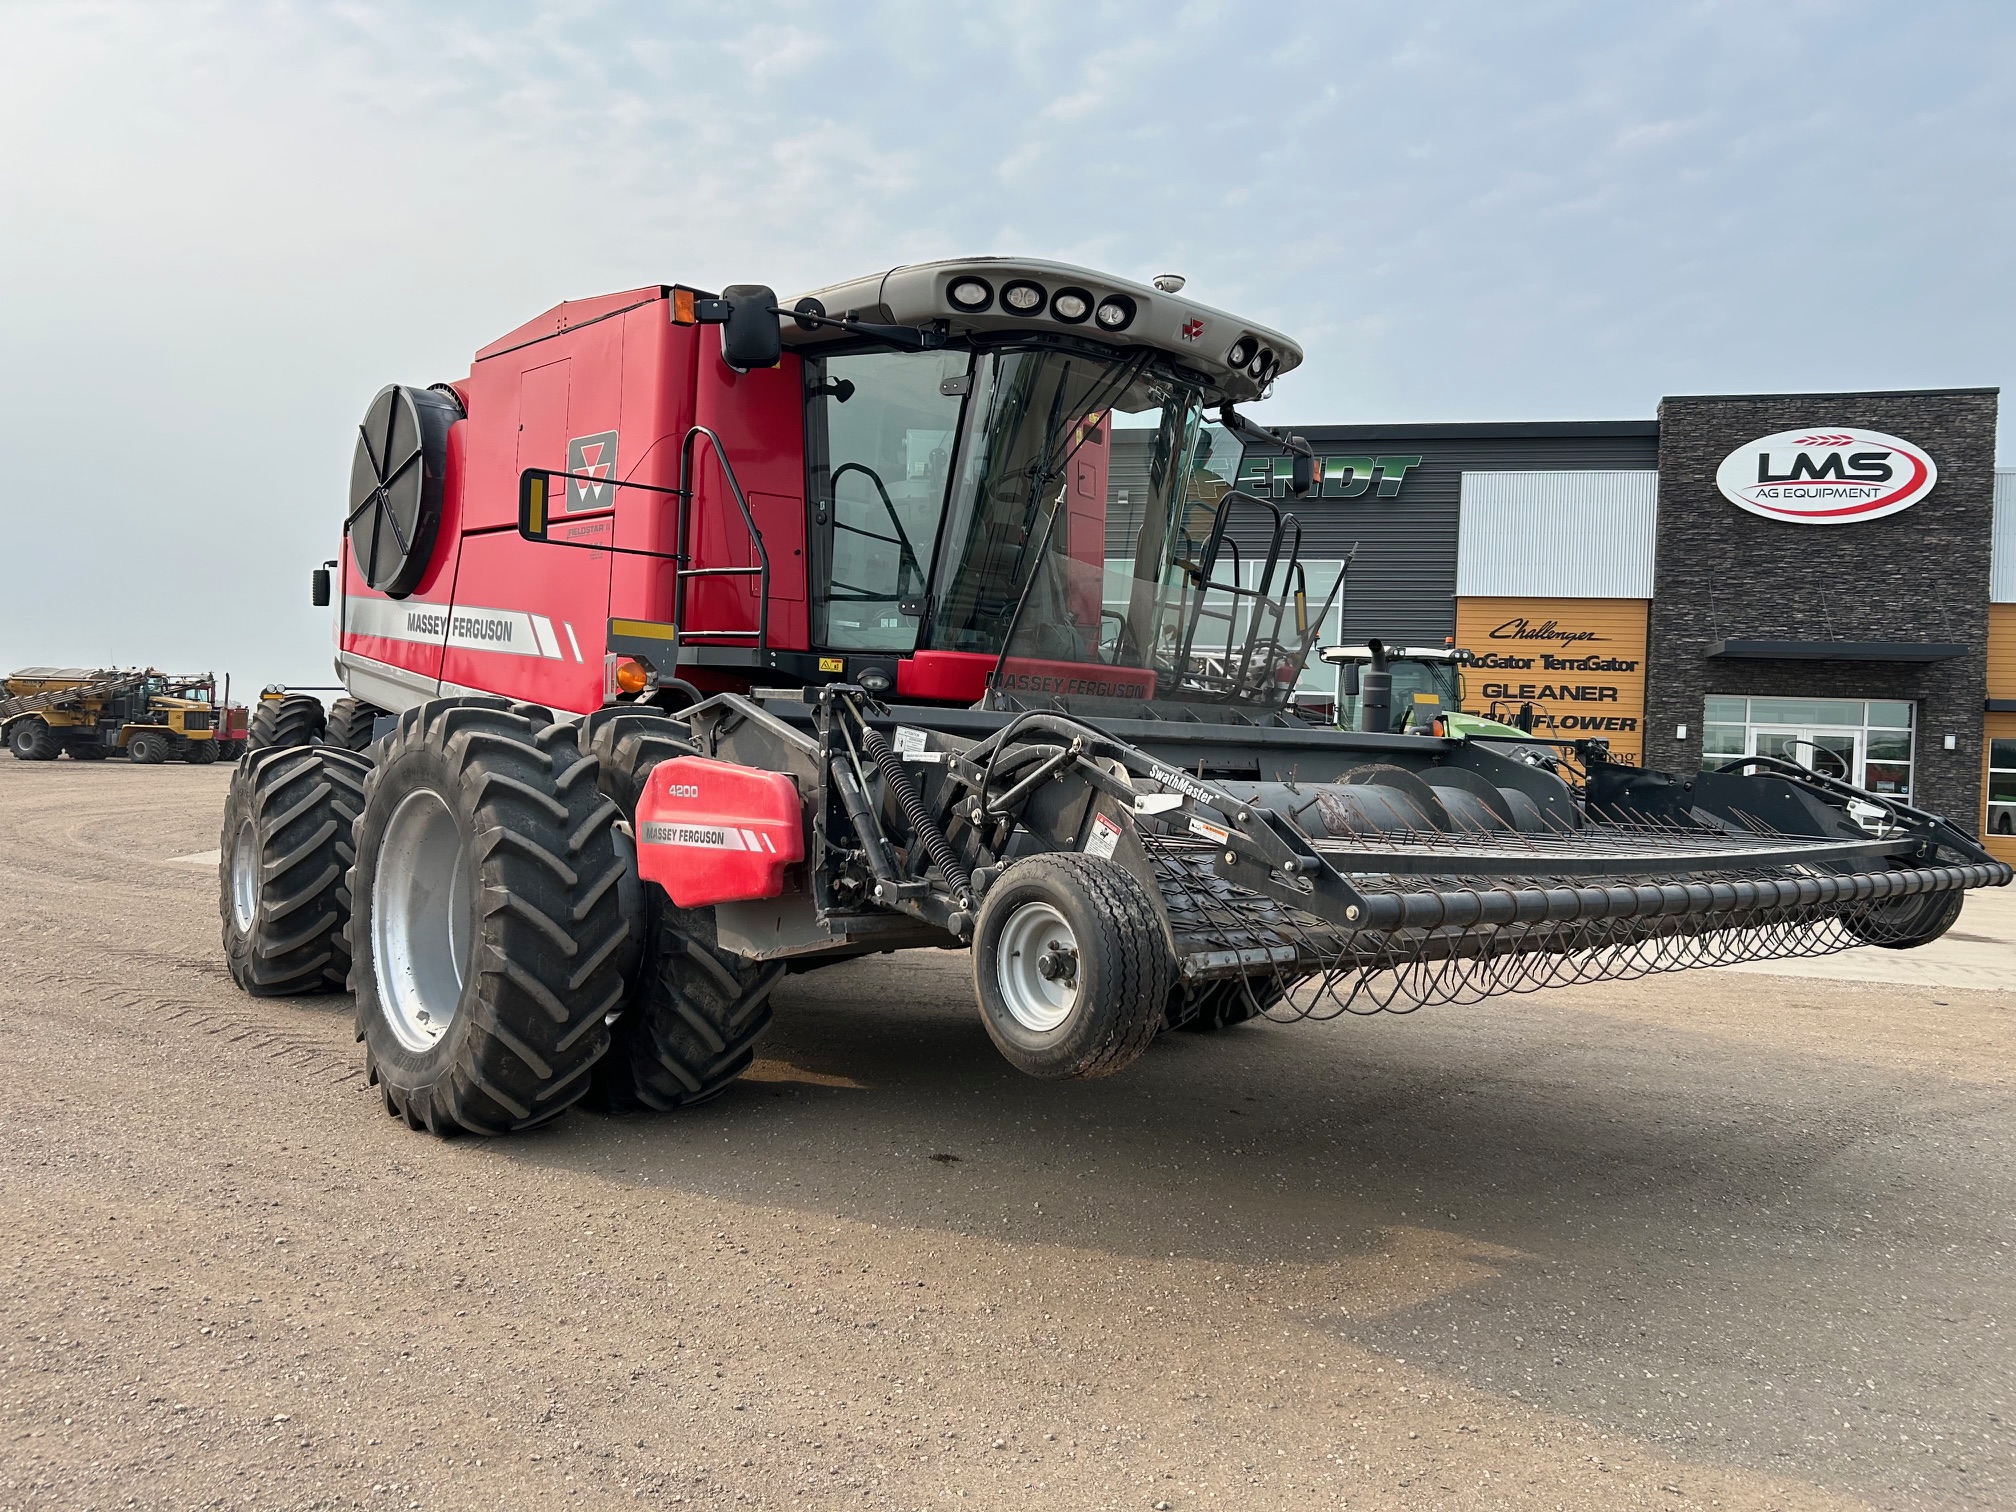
1826	476
1191	329
594	456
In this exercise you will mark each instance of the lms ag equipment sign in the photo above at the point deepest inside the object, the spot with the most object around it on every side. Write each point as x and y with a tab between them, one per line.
1824	476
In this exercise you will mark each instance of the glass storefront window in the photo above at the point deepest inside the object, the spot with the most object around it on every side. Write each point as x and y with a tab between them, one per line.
2002	787
1868	743
1722	739
1806	711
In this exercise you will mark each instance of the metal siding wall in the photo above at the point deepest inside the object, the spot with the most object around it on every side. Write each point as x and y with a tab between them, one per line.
1582	534
1403	585
2002	553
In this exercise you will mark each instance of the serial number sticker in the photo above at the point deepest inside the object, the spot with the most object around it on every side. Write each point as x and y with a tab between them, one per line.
909	739
1104	837
1216	834
931	758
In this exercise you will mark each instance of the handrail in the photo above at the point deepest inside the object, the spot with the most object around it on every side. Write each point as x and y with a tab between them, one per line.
683	573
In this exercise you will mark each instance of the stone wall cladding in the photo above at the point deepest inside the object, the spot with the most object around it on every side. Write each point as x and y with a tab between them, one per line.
1921	575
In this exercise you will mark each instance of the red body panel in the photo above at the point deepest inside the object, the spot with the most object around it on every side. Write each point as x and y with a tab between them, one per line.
713	832
760	418
944	676
611	386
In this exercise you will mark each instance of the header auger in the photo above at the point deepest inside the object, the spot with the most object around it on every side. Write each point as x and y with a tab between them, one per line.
693	640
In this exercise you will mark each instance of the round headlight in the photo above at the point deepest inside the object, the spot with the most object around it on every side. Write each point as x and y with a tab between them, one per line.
1023	297
1115	313
1070	305
1259	364
1240	354
970	294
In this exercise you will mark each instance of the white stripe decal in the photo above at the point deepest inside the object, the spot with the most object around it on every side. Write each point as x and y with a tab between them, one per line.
466	627
568	626
706	836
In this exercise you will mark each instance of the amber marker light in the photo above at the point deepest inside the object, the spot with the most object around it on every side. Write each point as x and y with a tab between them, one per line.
631	676
682	307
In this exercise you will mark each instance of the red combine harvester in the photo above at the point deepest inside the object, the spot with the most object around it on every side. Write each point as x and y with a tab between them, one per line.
695	639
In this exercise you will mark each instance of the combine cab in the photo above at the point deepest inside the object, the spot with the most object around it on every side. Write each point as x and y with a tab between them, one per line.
728	637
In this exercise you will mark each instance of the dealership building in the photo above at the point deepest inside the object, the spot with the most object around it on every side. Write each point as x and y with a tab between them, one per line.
1826	577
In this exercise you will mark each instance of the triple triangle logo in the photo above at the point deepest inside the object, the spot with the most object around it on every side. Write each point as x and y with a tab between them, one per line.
591	458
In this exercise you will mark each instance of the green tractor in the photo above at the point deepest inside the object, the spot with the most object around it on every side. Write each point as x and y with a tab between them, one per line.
1402	690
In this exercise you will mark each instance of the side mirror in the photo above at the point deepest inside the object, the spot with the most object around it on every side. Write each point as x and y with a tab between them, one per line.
319	588
750	336
1302	468
535	499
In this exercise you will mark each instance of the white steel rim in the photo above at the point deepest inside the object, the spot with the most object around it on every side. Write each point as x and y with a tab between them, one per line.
245	878
421	919
1037	1002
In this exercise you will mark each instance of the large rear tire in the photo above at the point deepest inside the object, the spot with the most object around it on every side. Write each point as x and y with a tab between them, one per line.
148	747
200	752
283	869
351	724
32	740
1070	965
293	719
488	928
690	1023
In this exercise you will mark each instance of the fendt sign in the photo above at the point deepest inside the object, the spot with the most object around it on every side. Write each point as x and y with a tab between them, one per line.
1826	476
1336	477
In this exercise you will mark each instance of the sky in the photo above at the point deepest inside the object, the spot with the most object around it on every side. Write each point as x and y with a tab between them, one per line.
223	227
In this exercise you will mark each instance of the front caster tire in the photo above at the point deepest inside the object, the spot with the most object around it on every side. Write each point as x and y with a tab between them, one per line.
1071	966
1906	923
283	873
487	929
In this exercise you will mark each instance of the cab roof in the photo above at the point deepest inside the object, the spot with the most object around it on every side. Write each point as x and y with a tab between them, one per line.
1020	295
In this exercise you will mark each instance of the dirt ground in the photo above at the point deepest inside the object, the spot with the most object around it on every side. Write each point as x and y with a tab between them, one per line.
1719	1240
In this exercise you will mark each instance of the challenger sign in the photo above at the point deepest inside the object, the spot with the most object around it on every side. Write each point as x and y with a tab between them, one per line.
1826	476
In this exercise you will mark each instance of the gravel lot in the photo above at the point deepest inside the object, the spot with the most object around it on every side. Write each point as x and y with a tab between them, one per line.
1726	1239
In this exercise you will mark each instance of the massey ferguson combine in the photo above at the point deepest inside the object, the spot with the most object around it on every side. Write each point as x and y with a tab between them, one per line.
695	639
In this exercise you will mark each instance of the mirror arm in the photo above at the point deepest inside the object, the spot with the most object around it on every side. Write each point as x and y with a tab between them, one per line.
905	338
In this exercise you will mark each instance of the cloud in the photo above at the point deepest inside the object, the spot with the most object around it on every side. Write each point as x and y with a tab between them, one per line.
229	224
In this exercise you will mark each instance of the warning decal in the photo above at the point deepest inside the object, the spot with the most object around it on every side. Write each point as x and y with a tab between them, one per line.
1104	836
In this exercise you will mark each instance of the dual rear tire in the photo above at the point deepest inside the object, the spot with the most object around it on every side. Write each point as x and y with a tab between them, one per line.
488	928
283	872
692	1018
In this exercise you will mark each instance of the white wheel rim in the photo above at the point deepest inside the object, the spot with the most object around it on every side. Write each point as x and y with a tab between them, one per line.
245	877
421	917
1037	1002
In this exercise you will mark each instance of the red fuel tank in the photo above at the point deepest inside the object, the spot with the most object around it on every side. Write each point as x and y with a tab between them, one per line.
714	832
